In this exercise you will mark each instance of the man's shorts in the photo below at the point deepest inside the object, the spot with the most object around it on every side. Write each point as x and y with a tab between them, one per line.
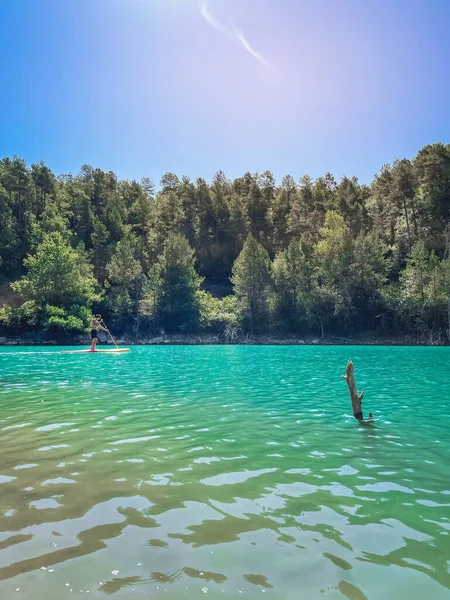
94	334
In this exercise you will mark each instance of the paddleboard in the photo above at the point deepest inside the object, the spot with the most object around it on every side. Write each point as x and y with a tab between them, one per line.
107	350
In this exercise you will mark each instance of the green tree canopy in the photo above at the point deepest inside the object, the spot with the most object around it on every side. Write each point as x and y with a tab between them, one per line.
251	280
178	305
126	280
296	286
59	287
343	256
57	274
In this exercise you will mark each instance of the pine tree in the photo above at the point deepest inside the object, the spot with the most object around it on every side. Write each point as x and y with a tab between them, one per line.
178	306
251	280
335	251
296	293
278	215
126	280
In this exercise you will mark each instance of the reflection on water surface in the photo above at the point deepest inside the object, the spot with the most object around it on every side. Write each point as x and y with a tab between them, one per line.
225	471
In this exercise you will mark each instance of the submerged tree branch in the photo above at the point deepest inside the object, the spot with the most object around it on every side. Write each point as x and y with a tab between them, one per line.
355	397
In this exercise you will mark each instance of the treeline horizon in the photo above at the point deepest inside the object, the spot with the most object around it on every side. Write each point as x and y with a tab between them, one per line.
307	256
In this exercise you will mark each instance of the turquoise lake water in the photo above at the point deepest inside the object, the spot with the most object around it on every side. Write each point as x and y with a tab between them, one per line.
224	472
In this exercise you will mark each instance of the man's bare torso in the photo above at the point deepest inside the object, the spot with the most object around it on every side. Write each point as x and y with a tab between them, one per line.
95	324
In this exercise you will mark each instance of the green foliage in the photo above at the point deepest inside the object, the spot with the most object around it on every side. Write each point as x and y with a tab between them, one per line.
302	219
216	314
124	269
295	301
126	280
9	235
31	316
57	274
74	320
308	256
425	278
251	280
28	315
178	304
58	288
151	294
370	266
335	251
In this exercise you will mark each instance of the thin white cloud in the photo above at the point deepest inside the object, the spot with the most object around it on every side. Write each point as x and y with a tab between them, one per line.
243	40
237	36
211	19
206	14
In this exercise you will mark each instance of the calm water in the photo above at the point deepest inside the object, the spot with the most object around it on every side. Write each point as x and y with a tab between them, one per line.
179	472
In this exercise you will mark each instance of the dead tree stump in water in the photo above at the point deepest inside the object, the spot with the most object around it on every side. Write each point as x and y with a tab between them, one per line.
355	397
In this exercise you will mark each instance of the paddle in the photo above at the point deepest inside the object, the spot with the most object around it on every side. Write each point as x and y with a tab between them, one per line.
113	339
110	335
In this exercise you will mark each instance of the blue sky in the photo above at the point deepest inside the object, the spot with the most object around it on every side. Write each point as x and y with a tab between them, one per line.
142	87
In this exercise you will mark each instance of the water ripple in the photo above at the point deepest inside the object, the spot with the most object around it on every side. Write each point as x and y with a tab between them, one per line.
224	471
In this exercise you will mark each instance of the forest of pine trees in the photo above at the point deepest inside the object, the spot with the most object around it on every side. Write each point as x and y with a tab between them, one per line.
305	257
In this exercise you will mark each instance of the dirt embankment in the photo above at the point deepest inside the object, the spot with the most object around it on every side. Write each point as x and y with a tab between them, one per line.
8	296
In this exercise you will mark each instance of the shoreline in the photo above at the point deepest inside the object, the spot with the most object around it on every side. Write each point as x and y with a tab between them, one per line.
215	340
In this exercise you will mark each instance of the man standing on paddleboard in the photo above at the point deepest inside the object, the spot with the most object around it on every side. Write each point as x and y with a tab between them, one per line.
96	324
